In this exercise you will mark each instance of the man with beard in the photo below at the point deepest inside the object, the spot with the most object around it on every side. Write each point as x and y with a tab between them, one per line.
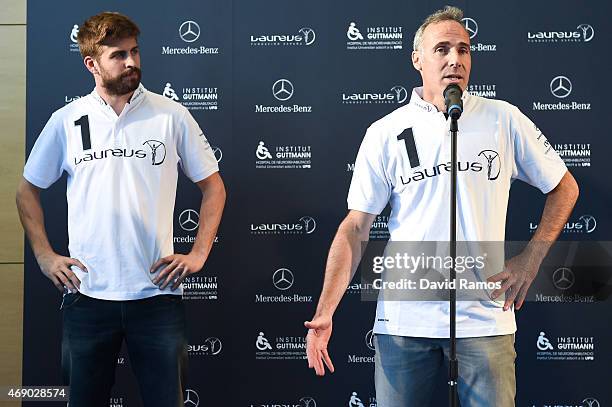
120	147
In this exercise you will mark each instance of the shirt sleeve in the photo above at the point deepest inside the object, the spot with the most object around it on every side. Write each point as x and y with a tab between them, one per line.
47	158
196	155
370	188
535	160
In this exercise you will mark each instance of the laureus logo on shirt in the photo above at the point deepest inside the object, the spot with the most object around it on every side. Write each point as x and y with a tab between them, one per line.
489	159
157	153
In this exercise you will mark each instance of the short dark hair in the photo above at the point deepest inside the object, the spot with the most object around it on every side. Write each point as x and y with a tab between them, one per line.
103	29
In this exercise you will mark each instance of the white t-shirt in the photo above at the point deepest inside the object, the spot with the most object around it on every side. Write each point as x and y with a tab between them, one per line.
122	176
401	162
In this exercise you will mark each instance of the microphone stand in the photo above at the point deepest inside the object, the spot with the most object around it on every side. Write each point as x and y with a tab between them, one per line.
453	364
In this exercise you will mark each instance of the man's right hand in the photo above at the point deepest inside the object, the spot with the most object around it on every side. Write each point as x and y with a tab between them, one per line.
319	332
57	269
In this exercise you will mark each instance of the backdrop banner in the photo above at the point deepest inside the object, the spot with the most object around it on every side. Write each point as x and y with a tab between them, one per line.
285	91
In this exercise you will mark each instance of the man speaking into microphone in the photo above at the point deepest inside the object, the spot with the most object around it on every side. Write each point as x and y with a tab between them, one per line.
403	161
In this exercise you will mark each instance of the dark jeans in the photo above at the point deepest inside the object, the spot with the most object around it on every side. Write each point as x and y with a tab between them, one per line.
154	331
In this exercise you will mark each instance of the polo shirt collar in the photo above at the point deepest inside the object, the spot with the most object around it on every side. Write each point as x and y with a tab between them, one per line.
416	99
135	100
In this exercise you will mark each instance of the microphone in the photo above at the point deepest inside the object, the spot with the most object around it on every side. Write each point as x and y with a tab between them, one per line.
452	100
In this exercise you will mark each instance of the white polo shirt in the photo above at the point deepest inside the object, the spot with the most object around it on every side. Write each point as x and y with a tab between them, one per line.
404	160
122	176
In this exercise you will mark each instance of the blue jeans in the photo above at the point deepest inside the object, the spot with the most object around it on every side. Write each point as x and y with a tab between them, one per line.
407	368
154	330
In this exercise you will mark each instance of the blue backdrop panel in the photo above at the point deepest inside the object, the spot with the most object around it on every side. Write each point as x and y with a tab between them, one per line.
285	92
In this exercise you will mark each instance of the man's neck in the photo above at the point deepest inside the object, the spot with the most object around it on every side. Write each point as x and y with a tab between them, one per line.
117	102
435	99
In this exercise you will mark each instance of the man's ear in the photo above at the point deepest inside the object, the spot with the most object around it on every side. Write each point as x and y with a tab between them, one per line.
90	64
416	60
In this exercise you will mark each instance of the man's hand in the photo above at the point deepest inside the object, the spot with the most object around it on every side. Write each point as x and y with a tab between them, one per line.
57	269
179	266
319	332
517	276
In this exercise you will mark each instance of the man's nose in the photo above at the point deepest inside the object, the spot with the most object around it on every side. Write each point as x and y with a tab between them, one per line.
454	58
130	61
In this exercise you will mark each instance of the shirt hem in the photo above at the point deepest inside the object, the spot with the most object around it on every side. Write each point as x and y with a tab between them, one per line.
122	296
444	333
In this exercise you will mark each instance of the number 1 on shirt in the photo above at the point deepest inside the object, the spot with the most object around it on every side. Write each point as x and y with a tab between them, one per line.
83	123
413	155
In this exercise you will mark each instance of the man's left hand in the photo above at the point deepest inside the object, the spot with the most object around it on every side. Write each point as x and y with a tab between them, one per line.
517	276
179	266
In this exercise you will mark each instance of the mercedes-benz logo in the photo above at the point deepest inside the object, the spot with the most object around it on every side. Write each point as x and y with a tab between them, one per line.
309	35
158	151
191	398
369	340
282	279
563	278
189	220
282	89
401	94
189	31
589	222
218	154
309	224
591	402
214	345
561	86
471	26
307	402
587	32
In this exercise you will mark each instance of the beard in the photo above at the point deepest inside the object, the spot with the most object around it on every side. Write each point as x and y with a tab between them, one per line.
123	84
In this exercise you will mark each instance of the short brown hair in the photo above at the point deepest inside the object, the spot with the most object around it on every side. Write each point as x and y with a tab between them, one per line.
103	29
